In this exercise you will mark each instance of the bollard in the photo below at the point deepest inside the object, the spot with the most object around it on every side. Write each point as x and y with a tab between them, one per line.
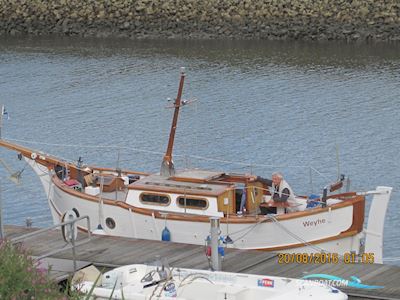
214	233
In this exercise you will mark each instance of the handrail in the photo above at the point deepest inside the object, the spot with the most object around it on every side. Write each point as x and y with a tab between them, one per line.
36	232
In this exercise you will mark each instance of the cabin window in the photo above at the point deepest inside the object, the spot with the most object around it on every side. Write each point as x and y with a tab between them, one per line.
195	203
157	199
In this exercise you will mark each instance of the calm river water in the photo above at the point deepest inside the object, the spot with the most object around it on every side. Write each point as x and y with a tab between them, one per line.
261	107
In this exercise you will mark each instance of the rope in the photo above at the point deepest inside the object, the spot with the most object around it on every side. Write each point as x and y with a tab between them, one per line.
195	277
295	236
245	228
246	233
276	221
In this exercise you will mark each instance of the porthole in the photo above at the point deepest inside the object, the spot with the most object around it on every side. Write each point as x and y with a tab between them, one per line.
110	223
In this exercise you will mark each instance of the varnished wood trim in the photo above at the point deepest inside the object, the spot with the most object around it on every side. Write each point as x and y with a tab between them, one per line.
358	215
47	162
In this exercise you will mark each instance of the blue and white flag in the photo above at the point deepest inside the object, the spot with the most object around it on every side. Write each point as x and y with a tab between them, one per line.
4	113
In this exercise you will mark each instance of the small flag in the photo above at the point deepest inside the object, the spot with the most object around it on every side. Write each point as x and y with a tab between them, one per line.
5	113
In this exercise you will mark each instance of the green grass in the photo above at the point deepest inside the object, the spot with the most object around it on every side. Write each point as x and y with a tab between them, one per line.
21	278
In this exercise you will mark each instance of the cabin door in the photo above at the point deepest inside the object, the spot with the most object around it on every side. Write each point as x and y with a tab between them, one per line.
240	198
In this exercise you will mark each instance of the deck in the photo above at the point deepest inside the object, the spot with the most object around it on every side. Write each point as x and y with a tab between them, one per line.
116	251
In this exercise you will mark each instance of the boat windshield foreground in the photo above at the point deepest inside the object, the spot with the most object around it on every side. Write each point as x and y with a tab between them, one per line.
145	282
176	205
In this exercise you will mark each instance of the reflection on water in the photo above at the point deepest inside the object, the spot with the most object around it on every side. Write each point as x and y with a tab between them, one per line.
262	105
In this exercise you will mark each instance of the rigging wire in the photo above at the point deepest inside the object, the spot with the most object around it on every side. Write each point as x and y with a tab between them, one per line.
244	164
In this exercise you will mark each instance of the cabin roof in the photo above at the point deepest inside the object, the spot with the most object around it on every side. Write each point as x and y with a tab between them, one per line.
155	182
198	174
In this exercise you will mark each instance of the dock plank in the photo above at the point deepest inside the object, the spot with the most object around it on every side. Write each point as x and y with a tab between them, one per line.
117	251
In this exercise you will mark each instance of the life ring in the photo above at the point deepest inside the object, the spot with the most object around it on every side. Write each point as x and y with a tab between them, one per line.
67	229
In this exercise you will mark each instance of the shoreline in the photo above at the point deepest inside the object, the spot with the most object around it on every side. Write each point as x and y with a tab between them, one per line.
321	20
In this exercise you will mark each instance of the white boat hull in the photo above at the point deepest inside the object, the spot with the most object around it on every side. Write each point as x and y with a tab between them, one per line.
128	282
309	233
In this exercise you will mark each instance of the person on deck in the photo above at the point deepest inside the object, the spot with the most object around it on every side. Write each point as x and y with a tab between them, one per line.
280	190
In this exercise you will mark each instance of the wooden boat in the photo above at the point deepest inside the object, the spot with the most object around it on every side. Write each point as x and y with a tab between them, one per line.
177	204
145	282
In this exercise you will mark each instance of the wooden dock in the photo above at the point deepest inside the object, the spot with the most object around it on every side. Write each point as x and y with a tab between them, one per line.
116	251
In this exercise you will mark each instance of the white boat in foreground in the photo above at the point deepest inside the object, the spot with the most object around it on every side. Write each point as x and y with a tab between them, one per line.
144	282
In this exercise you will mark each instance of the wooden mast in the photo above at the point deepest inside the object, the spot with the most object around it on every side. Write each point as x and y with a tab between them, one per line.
167	165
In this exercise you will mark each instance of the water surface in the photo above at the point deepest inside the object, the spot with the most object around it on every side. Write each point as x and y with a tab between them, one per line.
261	107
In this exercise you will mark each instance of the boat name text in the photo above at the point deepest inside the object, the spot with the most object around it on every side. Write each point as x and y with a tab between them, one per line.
314	223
